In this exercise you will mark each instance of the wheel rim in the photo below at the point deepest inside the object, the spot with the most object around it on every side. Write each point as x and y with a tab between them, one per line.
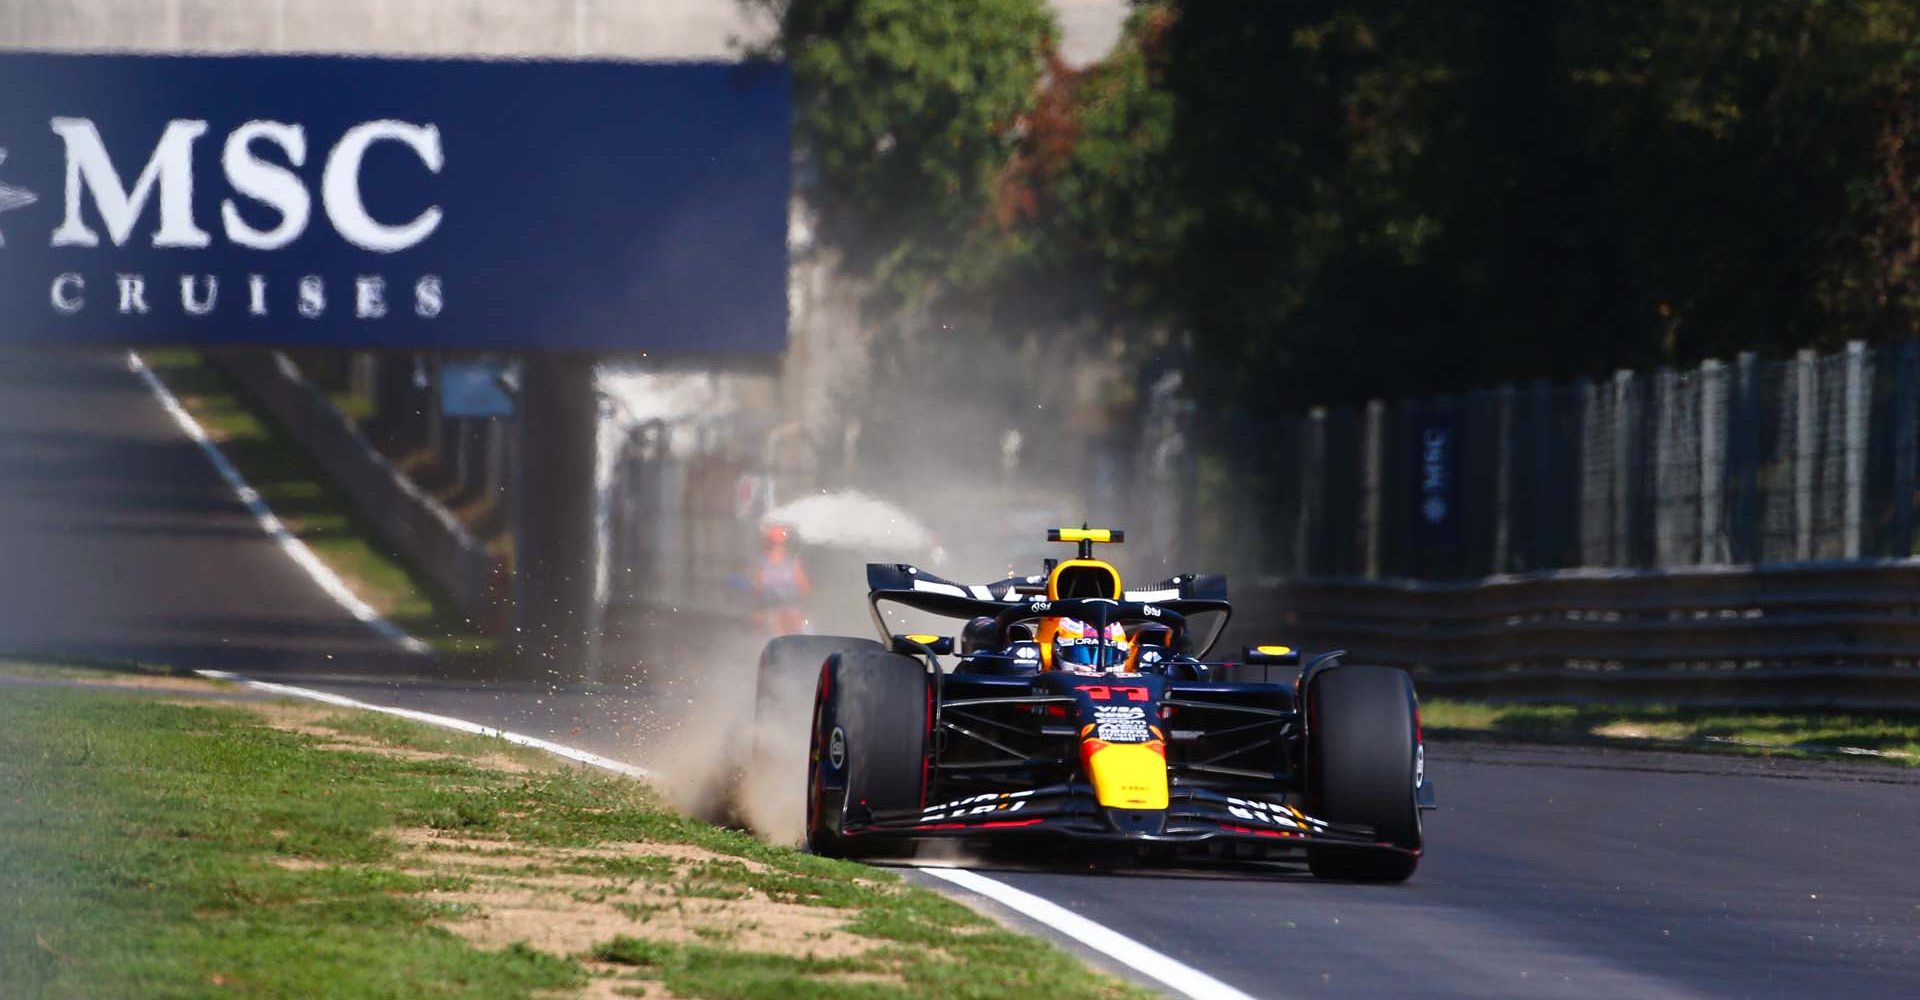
816	787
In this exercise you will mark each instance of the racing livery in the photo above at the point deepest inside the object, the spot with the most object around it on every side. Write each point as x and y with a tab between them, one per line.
1073	708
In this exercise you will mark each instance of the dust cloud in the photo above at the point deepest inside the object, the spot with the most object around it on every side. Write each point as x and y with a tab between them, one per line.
983	465
731	730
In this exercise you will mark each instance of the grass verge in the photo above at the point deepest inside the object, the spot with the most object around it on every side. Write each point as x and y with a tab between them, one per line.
301	494
1894	738
159	849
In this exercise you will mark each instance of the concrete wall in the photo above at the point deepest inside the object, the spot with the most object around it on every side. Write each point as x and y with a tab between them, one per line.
634	29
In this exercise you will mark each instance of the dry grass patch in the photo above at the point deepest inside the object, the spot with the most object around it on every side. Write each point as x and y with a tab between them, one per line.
148	682
326	724
568	900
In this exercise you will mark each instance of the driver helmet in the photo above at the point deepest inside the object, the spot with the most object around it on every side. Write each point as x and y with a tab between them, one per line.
1080	648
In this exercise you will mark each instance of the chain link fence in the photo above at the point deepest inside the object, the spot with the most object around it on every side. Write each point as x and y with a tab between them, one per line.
1814	458
1749	463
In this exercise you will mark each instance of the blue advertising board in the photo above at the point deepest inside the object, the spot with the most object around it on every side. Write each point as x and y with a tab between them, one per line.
427	204
1438	434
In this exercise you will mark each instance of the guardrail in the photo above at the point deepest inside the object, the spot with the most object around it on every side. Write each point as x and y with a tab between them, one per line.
423	531
1842	635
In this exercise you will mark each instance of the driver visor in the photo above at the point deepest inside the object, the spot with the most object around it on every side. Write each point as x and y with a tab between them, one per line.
1091	653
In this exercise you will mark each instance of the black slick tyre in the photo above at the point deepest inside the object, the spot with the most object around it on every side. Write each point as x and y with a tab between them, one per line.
868	749
1362	743
783	694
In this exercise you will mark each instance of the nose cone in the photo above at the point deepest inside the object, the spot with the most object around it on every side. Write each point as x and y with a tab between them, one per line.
1126	775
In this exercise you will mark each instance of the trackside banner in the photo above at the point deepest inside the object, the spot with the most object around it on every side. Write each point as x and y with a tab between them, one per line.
320	201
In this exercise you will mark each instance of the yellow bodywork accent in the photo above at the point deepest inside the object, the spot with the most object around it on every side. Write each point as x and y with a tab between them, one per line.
1086	534
1047	626
923	638
1127	775
1274	650
1053	578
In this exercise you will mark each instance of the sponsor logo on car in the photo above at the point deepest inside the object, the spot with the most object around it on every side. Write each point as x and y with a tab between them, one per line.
1272	814
1121	723
977	805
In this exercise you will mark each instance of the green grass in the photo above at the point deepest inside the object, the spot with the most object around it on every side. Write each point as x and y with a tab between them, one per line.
136	841
160	850
83	669
1809	734
301	495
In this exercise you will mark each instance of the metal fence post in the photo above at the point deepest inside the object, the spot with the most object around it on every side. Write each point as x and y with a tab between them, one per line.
1623	468
1596	477
1743	463
1805	442
460	432
1713	462
1665	470
1547	489
1906	417
1855	456
495	478
1313	472
361	369
1374	441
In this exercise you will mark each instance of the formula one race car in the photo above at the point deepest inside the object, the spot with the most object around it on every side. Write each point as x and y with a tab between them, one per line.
1072	708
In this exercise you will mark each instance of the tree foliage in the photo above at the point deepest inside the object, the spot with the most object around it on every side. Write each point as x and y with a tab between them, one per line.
905	117
1086	204
1395	197
1336	199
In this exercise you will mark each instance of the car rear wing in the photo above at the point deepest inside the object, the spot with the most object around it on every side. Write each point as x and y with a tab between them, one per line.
913	587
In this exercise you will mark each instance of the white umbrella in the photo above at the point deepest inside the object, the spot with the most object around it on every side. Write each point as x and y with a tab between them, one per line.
853	521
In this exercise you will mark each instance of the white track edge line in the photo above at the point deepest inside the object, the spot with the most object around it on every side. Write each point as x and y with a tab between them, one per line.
295	549
443	721
1171	973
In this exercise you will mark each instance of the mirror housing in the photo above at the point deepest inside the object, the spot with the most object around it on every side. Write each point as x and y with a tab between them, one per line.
1274	655
919	643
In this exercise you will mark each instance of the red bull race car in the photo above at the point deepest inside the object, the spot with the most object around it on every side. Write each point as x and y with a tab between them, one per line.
1071	708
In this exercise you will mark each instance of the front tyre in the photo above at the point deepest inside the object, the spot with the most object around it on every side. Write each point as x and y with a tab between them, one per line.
868	748
789	668
770	763
1362	745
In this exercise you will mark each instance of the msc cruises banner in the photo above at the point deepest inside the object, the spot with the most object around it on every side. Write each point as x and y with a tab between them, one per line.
324	201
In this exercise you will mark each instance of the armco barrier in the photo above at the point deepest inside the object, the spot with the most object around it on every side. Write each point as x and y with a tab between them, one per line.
1811	634
425	533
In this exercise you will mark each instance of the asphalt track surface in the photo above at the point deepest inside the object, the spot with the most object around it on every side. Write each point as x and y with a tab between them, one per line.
1551	872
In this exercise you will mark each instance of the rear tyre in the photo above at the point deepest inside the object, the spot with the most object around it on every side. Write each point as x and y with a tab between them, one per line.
1362	746
868	749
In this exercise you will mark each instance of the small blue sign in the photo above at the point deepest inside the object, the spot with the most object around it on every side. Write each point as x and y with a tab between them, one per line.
474	389
425	204
1437	439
